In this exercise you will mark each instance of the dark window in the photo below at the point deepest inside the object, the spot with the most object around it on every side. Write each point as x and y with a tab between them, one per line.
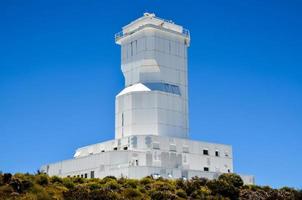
206	169
217	153
92	174
229	170
134	141
103	151
81	175
86	175
115	148
125	148
205	152
148	141
131	49
122	119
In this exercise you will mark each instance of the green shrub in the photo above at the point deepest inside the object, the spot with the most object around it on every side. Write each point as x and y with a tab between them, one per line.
94	185
232	179
42	179
131	183
68	183
162	195
112	185
78	180
181	193
6	178
104	194
77	193
146	180
163	186
130	193
56	179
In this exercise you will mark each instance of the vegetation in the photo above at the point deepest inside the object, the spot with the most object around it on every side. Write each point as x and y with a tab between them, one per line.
227	186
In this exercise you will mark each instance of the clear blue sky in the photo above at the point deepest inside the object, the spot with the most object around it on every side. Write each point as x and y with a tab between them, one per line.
60	72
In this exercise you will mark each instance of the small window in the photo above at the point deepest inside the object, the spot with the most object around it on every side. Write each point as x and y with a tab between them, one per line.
156	146
125	148
186	149
103	151
115	148
206	169
148	141
86	175
92	174
226	154
81	175
134	142
217	153
172	147
229	170
205	152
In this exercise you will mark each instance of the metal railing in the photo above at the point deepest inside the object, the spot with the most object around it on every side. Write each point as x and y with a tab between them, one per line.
120	34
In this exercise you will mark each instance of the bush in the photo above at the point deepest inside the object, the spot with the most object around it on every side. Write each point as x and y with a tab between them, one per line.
42	179
103	194
6	178
112	185
223	188
227	186
232	179
162	195
68	183
146	180
181	193
77	193
131	183
130	193
56	179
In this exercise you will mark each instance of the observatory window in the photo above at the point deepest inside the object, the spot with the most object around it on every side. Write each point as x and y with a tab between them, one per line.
172	147
206	169
164	87
148	141
156	145
122	119
134	142
185	149
217	153
131	44
205	152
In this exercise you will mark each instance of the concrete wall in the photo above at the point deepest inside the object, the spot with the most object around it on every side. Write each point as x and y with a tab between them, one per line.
146	151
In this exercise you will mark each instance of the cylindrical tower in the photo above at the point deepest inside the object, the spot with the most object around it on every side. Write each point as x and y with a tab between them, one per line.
154	64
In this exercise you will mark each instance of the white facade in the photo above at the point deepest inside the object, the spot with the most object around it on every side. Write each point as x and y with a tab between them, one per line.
151	116
140	156
154	64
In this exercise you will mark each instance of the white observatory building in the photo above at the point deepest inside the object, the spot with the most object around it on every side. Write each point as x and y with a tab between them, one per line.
151	114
